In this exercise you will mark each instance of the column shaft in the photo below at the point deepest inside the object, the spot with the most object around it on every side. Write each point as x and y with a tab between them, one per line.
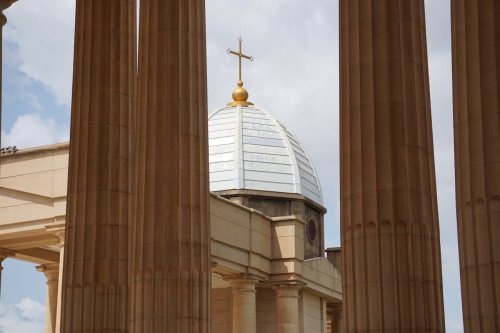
52	274
244	306
335	320
4	254
60	235
390	231
287	308
476	94
338	324
171	273
1	273
95	277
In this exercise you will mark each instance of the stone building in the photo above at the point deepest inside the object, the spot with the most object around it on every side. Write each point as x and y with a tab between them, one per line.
264	251
266	216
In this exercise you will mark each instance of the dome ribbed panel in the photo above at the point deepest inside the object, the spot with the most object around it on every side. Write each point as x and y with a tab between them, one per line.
249	149
309	182
222	149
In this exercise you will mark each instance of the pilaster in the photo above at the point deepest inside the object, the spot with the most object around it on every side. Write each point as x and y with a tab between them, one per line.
476	100
391	256
95	272
171	272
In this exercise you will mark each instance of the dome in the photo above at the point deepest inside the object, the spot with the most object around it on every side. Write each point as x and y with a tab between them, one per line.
249	149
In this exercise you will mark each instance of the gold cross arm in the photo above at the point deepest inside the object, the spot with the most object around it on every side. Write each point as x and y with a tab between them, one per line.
240	55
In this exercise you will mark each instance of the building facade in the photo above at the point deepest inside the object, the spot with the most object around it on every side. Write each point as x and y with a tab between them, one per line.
269	271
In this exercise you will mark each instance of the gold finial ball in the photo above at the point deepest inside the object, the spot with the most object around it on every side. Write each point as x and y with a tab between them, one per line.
240	94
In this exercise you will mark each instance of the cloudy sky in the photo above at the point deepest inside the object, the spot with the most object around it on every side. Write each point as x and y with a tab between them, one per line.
294	76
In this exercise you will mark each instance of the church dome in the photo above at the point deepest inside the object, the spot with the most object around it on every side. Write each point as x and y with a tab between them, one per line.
249	149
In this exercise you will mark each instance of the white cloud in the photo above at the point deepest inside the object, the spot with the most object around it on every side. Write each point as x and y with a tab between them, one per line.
26	316
30	130
43	32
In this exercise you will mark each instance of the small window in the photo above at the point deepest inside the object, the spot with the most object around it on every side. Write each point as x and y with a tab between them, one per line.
311	231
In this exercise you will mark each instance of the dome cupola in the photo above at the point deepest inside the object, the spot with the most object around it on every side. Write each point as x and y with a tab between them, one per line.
249	149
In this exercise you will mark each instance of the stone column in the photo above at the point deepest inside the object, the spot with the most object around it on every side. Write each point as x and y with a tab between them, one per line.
392	278
338	323
171	274
476	99
4	4
287	308
2	258
334	318
244	305
60	235
4	254
1	272
52	274
95	272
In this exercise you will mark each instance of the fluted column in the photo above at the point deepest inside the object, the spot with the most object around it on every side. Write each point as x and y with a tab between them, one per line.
287	308
476	99
4	4
95	278
244	305
390	231
171	274
52	274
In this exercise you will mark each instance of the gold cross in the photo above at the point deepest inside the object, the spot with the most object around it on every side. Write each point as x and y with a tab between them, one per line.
240	55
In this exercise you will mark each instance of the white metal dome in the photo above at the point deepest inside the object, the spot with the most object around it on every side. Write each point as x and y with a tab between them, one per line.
249	149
